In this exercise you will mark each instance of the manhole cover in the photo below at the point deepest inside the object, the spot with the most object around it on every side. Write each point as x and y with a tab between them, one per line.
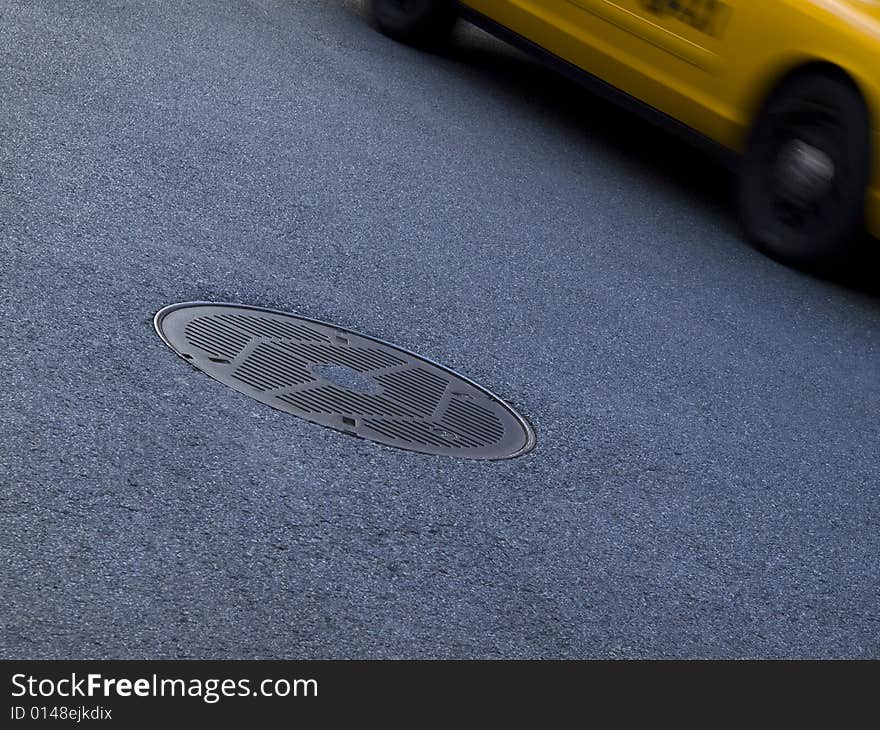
344	380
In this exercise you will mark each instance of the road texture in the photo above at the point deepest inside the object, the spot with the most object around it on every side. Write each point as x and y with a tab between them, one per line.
706	478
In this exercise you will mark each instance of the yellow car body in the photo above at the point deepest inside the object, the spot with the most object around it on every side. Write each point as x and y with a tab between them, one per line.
709	64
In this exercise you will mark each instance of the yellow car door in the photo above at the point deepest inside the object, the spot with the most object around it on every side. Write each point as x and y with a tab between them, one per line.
669	54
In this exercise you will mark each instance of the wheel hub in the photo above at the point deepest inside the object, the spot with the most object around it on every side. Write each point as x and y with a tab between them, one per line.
804	172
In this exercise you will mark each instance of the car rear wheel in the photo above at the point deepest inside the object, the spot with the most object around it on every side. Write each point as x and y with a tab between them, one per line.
804	176
417	22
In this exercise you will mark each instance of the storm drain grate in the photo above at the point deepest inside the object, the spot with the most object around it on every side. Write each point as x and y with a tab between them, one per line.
344	380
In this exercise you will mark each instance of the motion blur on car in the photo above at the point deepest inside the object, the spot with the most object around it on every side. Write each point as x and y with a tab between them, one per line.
788	86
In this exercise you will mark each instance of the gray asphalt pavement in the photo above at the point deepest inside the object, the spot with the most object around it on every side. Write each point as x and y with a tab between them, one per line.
706	477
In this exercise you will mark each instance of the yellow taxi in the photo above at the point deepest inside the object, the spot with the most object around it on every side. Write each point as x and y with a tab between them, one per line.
792	87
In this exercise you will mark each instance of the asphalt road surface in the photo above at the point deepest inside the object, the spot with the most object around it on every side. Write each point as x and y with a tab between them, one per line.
706	477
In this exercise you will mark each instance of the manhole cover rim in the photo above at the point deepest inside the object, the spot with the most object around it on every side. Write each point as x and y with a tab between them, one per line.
524	424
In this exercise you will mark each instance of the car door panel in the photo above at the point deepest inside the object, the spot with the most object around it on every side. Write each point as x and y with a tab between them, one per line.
652	23
654	50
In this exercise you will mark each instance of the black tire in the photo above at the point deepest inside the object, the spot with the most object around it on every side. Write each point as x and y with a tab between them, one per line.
422	23
805	172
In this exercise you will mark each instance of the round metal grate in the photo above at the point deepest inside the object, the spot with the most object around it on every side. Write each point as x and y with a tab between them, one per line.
344	380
